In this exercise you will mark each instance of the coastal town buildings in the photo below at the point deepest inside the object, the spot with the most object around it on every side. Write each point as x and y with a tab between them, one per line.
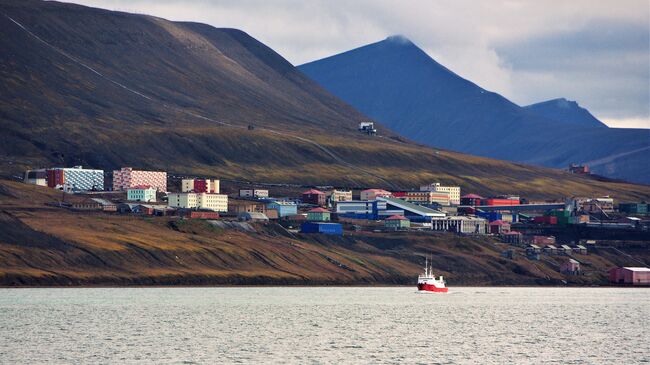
200	186
372	194
75	179
284	208
128	177
253	193
453	191
36	177
460	224
141	193
630	275
339	195
214	202
314	197
424	197
397	222
319	214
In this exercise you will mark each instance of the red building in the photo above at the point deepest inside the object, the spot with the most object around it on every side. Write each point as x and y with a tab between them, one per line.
545	220
630	275
499	226
55	177
313	196
579	169
197	214
471	200
499	201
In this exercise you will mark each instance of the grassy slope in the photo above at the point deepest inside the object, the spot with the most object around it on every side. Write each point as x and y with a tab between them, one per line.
43	245
54	112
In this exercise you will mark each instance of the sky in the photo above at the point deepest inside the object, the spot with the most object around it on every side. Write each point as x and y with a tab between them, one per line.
594	52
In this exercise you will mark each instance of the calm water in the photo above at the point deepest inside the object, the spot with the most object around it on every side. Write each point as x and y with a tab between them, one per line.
324	325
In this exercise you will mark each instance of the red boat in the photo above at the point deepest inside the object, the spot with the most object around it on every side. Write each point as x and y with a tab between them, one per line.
427	282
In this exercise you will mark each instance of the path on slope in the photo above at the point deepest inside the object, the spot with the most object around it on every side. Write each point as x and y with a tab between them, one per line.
335	157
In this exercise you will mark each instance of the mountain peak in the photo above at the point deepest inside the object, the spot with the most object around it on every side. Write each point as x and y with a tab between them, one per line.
398	39
565	111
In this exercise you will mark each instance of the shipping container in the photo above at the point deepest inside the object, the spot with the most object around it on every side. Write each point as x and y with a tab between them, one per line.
324	228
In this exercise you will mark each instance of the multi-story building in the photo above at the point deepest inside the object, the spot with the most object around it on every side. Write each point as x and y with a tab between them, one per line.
459	224
339	195
200	186
424	197
471	200
75	179
313	196
141	193
454	191
36	177
253	193
215	202
372	194
127	177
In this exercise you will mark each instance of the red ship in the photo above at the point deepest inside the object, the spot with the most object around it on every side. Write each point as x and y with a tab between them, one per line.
427	282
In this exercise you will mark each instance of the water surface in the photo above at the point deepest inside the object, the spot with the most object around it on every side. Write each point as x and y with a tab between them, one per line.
324	325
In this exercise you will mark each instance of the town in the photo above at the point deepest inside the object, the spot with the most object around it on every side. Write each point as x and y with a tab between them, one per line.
565	227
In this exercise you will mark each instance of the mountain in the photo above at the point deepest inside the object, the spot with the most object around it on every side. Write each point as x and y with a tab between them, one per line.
104	89
567	111
398	84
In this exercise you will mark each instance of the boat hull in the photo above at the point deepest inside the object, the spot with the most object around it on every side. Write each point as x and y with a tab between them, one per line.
431	288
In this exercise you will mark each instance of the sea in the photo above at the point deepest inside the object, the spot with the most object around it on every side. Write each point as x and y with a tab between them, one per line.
324	325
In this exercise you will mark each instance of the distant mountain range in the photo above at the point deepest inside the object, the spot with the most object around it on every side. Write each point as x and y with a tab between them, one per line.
398	84
104	89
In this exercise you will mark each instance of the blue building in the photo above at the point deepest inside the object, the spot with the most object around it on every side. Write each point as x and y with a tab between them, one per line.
366	209
324	228
284	208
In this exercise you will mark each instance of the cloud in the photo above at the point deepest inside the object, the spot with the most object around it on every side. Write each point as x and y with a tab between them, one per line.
529	51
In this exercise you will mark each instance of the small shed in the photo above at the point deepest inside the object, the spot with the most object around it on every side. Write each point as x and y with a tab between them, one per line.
319	215
571	267
324	228
512	237
550	250
397	222
565	249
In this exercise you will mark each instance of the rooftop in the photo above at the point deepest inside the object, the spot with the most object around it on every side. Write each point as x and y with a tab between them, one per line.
472	196
318	210
313	192
396	217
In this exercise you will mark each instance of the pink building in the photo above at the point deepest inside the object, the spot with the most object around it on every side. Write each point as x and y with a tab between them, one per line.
630	275
127	177
499	226
571	267
372	194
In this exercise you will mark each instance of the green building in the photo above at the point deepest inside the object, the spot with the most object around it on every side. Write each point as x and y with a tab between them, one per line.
397	222
319	215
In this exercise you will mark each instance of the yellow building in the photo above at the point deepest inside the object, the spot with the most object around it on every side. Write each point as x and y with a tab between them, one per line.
453	191
215	202
339	195
200	186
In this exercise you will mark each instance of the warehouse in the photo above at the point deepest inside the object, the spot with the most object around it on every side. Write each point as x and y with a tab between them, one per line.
414	212
630	275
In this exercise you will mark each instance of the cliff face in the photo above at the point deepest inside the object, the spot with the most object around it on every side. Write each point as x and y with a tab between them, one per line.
45	245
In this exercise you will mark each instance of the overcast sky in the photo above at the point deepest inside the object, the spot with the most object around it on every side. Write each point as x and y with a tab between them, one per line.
596	52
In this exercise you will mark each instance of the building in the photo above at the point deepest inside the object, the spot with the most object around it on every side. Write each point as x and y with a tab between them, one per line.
453	191
87	204
366	209
141	193
499	227
397	222
36	177
633	208
253	193
128	177
253	217
570	267
283	208
596	206
630	275
200	186
199	214
414	212
324	228
339	195
107	205
245	206
542	240
471	200
214	202
314	197
460	224
372	194
499	202
75	179
579	169
513	238
424	197
319	214
545	220
550	250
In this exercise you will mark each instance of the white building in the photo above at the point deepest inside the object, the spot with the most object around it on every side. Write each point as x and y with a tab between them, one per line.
253	193
215	202
460	224
453	191
339	195
36	177
142	193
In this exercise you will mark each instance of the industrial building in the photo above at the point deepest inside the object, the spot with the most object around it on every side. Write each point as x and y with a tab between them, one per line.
630	275
141	193
470	200
200	186
460	224
414	212
284	208
214	202
453	191
253	193
324	228
362	209
633	208
397	222
424	197
128	177
75	179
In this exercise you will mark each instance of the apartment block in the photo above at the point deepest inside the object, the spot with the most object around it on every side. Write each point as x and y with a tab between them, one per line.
127	177
214	202
200	186
454	191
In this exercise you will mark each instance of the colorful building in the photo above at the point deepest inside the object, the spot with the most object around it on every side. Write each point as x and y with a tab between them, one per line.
214	202
397	222
75	179
372	194
571	267
200	186
452	191
127	177
313	196
499	202
283	208
424	197
339	195
460	224
471	200
319	214
141	193
630	275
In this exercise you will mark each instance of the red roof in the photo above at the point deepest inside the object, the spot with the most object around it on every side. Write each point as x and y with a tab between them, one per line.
313	191
499	223
318	210
472	196
140	187
513	233
396	217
